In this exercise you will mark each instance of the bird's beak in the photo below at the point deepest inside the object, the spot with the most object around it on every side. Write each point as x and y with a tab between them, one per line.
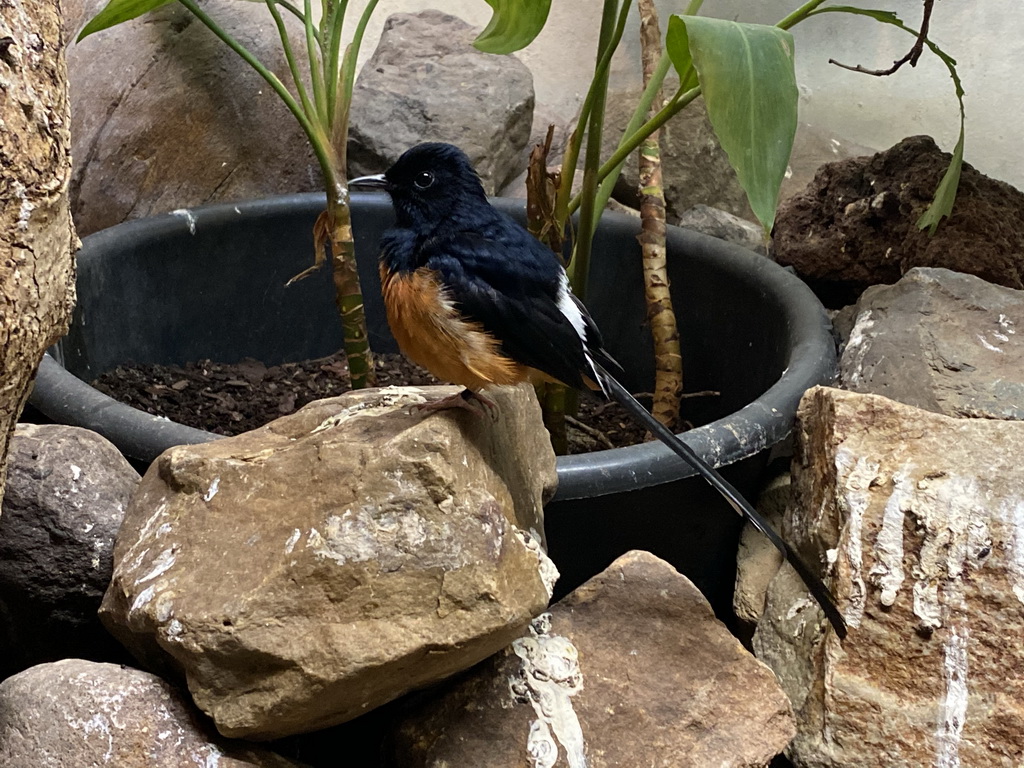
377	181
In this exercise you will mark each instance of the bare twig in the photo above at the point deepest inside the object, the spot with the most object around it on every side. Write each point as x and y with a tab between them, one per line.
912	56
597	434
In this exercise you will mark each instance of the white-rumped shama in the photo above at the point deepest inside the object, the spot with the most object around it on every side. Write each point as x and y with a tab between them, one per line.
478	301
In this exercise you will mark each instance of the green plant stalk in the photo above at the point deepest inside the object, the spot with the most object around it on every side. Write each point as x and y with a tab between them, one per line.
315	70
628	145
347	294
572	151
289	55
348	78
643	108
799	14
579	266
331	67
291	9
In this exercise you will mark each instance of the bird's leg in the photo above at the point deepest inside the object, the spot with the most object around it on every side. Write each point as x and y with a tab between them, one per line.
467	399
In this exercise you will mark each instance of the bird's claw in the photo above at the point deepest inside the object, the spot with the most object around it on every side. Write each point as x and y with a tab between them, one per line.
467	399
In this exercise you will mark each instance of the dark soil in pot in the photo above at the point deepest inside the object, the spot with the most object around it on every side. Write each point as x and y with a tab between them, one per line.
231	398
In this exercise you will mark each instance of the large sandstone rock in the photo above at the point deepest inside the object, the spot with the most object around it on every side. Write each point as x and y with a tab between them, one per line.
165	116
921	517
856	224
631	669
308	571
79	714
67	490
757	559
939	340
426	82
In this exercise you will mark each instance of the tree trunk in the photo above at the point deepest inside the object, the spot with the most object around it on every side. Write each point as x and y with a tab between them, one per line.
37	238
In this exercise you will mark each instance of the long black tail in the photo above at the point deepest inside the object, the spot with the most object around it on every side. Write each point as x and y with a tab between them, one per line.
820	592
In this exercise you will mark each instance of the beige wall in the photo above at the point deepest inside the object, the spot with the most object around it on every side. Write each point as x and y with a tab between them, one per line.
986	38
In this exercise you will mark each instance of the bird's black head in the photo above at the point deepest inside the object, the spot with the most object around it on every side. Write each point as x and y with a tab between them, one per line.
432	182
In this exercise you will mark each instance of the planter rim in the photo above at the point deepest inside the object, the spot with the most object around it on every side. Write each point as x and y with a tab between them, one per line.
769	419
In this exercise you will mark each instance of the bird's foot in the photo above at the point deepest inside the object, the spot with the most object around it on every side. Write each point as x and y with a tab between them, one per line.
467	399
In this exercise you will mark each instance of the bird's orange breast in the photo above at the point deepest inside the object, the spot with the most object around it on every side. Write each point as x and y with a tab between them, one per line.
430	332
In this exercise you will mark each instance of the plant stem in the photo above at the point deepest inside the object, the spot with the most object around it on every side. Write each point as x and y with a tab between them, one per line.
595	92
293	66
661	318
666	113
579	266
799	14
331	67
315	70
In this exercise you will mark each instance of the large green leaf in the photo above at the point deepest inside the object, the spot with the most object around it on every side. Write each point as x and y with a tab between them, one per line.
118	11
514	25
747	78
945	193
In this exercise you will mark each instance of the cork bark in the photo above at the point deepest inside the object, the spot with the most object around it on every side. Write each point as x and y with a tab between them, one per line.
37	238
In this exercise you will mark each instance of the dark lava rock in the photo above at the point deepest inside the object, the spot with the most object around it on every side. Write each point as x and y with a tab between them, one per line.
856	224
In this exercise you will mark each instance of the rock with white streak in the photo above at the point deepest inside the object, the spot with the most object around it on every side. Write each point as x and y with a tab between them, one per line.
922	518
308	571
940	340
631	669
67	491
80	714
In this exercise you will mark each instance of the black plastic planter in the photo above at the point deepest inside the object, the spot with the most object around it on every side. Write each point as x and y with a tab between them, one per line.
210	283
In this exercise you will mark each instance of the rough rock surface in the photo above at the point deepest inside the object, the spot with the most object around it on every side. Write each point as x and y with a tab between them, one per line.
67	490
79	714
165	116
631	669
305	572
426	82
695	168
921	515
856	223
724	226
757	559
939	340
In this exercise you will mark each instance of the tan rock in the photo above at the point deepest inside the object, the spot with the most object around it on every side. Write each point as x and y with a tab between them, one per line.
315	568
757	559
923	516
79	714
631	669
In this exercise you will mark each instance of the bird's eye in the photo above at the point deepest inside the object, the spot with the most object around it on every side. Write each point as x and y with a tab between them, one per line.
423	179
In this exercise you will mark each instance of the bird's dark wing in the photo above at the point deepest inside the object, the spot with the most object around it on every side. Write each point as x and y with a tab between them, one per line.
510	284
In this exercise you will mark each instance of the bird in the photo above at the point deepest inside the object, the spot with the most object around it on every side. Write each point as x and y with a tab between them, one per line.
478	301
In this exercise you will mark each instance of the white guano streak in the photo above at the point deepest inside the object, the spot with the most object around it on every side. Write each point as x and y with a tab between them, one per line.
1012	513
550	676
857	497
887	573
953	707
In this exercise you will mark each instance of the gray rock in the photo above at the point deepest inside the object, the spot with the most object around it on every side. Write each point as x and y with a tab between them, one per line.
310	570
695	168
426	82
631	669
67	490
78	714
939	340
165	116
920	519
724	226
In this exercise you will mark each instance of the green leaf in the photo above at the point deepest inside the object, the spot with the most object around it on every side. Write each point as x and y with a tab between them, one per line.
677	45
748	81
117	12
514	25
945	193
